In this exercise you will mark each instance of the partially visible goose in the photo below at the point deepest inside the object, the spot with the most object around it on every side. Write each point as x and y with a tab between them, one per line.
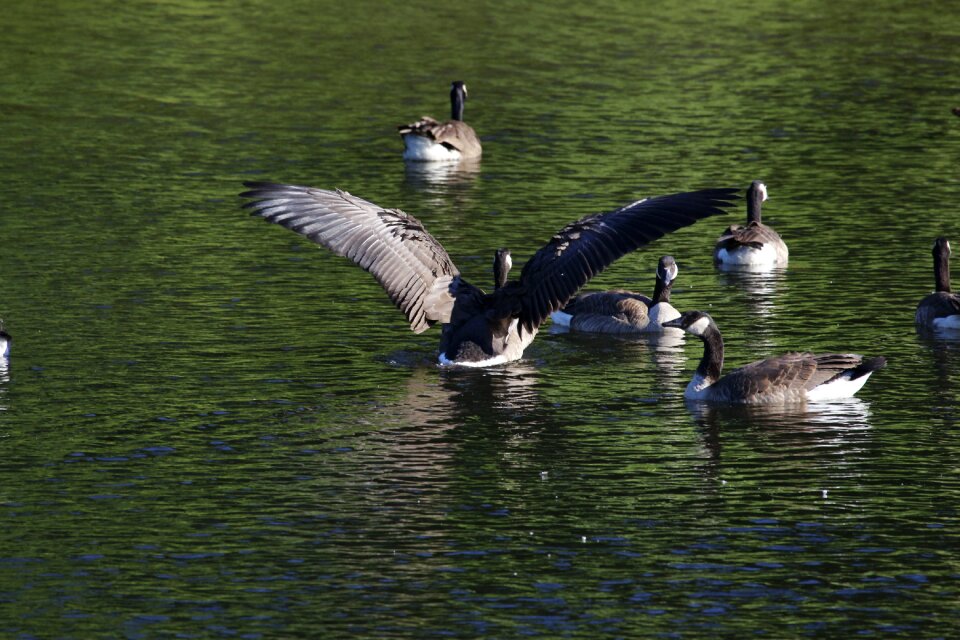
623	311
940	309
792	377
479	329
430	140
5	341
754	244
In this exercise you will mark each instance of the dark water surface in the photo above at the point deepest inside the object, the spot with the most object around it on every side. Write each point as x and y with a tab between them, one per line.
210	428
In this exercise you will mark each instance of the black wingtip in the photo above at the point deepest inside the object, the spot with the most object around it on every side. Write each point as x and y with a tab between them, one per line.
869	365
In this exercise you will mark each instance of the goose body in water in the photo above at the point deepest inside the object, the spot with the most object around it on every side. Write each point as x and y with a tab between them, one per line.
479	328
792	377
940	309
623	311
5	341
753	244
428	140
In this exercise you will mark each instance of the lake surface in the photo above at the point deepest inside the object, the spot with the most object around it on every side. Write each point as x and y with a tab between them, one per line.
210	428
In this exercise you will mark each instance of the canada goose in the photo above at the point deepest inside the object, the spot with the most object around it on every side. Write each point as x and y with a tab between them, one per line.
479	329
5	341
754	244
429	140
940	309
623	311
792	377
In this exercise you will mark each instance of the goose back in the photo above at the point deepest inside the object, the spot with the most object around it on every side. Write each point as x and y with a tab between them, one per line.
428	139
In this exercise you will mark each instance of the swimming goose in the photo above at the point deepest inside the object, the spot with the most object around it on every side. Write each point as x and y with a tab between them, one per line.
940	309
620	311
5	342
792	377
479	329
754	244
430	140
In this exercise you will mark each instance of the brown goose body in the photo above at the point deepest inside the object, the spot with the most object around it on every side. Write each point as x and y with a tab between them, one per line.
940	309
418	275
753	244
623	312
788	378
428	140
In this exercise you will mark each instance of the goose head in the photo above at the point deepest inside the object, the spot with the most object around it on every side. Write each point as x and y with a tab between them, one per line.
501	267
667	270
666	274
697	323
941	248
458	97
756	196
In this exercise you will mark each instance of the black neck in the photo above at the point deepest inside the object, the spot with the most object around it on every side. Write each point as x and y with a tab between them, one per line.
661	293
941	270
456	103
501	268
711	364
754	203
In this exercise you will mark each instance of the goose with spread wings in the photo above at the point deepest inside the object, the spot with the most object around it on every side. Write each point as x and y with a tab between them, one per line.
479	329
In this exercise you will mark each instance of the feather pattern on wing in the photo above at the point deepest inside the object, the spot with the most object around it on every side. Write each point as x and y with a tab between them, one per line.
584	248
413	268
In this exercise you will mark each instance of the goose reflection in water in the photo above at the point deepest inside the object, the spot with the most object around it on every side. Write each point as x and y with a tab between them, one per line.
452	397
760	287
437	176
833	417
809	434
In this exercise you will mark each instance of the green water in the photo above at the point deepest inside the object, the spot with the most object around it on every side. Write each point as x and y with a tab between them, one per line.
210	428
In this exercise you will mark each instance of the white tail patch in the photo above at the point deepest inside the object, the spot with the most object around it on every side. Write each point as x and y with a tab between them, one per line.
748	256
423	149
948	322
840	387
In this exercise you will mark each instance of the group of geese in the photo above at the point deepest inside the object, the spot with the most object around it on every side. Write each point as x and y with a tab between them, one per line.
482	329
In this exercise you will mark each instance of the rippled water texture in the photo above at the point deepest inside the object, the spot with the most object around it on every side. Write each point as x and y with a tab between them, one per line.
211	428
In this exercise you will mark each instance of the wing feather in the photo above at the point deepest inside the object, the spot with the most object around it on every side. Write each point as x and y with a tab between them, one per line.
412	267
586	247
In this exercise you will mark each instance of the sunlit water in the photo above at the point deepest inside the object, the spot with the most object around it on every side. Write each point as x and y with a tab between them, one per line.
210	428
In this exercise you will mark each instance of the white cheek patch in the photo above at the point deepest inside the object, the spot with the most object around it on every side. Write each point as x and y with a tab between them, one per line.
763	192
671	274
699	327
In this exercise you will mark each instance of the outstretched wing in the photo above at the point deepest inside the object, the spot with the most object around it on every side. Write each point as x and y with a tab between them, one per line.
406	260
584	248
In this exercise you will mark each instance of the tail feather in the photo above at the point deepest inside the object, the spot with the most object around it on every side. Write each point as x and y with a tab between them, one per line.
868	366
